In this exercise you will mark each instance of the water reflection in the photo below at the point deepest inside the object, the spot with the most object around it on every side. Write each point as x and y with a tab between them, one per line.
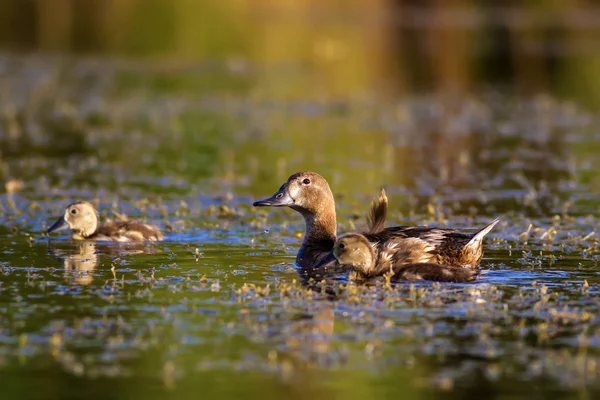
80	258
79	263
308	336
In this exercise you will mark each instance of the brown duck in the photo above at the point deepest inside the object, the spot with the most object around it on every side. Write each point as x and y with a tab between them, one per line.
310	195
82	219
369	261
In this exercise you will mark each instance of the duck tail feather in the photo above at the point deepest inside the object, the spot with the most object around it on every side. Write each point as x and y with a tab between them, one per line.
473	275
377	214
478	237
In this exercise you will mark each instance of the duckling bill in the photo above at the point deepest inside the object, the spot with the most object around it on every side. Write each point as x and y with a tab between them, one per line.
309	194
368	261
82	219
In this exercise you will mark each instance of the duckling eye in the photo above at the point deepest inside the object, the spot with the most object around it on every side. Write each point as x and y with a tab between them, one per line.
74	211
342	246
306	181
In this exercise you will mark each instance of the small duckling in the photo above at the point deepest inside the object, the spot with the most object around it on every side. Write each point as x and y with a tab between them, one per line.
356	251
82	218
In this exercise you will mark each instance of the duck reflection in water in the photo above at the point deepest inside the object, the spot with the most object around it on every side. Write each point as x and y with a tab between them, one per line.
81	258
303	342
79	263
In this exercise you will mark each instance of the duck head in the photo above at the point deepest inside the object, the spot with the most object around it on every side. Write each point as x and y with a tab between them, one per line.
81	217
354	250
305	192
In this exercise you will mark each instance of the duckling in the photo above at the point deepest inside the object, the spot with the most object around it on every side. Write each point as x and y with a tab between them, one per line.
370	261
309	194
82	218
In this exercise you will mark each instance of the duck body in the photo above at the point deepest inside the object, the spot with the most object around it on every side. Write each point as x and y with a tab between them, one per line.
126	231
310	195
369	261
82	219
436	245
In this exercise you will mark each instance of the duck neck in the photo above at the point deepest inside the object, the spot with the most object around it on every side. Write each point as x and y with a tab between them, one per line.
320	227
319	237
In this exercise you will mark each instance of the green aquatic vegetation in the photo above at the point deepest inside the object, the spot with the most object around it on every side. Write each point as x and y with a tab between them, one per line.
220	301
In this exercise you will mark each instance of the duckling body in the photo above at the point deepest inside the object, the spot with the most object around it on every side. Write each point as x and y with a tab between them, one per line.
82	219
310	195
369	261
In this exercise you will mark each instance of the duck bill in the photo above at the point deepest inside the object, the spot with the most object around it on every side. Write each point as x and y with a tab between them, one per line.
59	225
327	261
280	199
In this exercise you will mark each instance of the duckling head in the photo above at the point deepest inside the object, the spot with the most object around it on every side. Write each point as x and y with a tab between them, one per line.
355	250
81	217
305	192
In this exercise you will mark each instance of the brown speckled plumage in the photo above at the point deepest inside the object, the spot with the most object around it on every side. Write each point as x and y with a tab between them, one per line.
438	245
132	231
310	195
369	261
82	218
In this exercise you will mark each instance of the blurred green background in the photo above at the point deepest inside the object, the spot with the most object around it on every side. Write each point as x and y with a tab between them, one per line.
247	87
351	47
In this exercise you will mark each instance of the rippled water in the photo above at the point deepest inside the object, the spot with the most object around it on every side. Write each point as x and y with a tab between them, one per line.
218	308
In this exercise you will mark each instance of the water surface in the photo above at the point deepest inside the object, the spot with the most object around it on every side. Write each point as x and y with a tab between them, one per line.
217	309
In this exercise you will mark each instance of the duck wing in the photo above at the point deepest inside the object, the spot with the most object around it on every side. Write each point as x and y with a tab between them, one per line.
128	231
446	246
398	246
436	236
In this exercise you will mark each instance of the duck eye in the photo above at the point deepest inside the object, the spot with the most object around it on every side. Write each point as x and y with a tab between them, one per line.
306	181
342	246
279	195
74	211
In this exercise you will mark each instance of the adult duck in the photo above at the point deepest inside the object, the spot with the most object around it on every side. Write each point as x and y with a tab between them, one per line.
309	194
